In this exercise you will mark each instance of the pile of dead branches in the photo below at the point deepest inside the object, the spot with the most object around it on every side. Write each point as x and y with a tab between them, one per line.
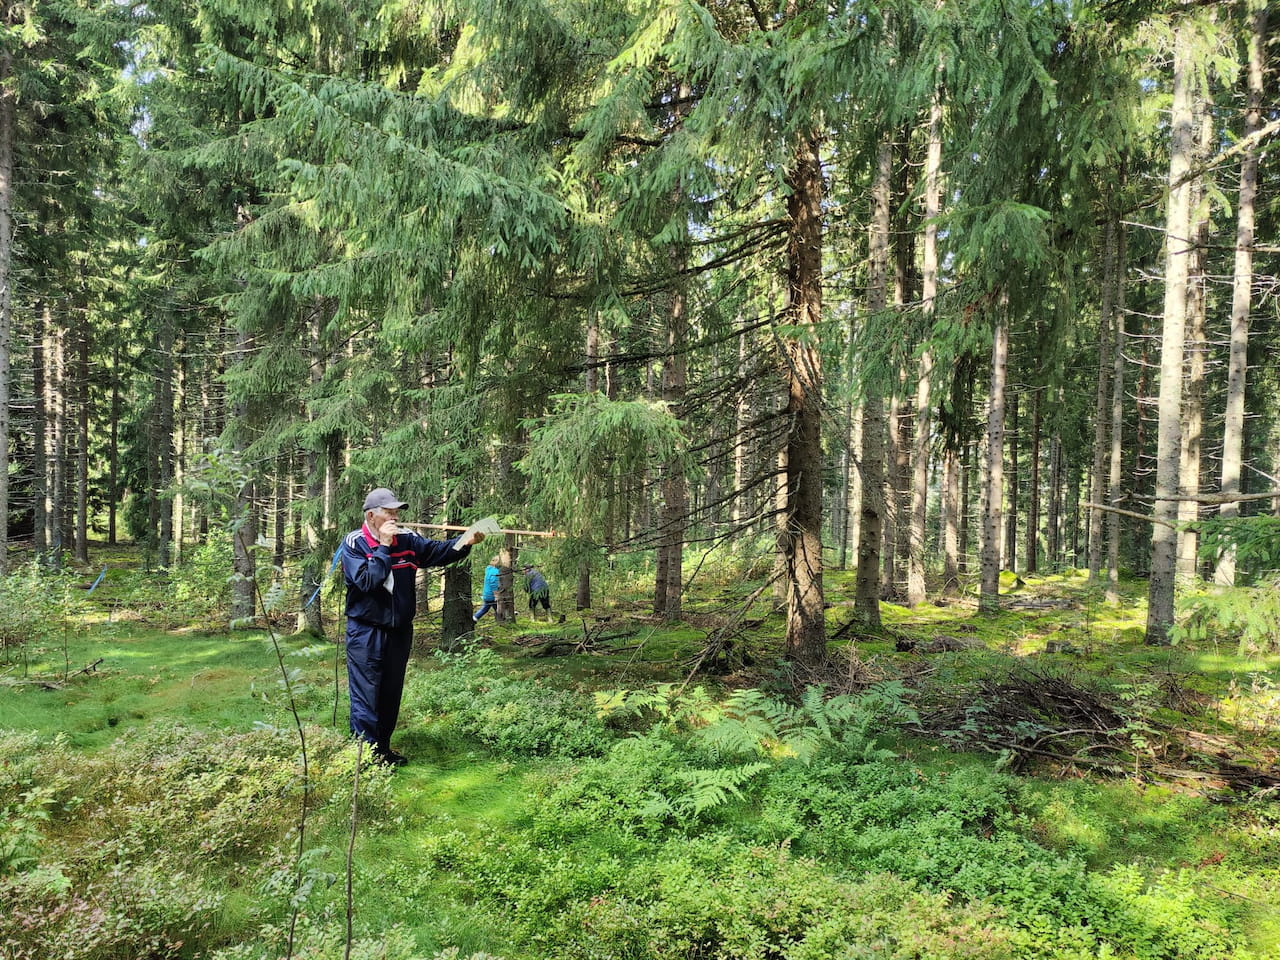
1035	717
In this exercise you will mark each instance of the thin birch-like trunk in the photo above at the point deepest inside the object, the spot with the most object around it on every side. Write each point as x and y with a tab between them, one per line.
1115	486
8	135
871	528
928	299
1033	486
1101	411
993	482
1195	348
1241	288
1161	585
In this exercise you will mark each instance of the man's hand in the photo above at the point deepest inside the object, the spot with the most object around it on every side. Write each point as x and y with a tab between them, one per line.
387	532
476	537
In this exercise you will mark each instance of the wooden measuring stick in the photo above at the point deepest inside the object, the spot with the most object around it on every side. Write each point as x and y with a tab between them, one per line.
449	526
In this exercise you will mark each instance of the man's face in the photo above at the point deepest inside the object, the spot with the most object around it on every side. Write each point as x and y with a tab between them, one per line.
379	516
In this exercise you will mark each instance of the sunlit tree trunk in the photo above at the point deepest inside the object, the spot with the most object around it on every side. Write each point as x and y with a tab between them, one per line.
1160	589
928	299
1033	486
1195	348
8	134
1101	405
245	524
1115	470
39	439
673	515
871	529
1009	557
82	437
993	481
1241	287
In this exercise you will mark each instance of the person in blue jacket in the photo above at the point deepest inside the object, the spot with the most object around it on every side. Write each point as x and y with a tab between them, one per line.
380	562
535	584
492	587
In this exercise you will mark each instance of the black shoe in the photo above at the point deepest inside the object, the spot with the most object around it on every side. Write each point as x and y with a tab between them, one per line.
391	757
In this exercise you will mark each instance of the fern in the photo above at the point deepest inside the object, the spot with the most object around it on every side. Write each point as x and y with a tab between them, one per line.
711	788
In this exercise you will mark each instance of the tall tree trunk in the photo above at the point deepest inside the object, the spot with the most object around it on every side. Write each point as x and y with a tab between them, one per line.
55	411
244	533
673	516
1160	589
164	437
1241	287
82	437
1195	348
993	482
1115	491
1101	406
113	465
1033	486
967	455
928	305
806	640
892	497
871	527
40	437
1010	556
8	135
582	595
1053	516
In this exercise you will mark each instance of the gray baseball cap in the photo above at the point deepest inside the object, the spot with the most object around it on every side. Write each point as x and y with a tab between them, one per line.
384	498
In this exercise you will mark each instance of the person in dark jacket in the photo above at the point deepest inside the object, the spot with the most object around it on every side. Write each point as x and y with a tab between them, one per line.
379	563
535	584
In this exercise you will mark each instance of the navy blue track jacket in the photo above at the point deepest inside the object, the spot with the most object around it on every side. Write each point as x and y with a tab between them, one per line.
367	564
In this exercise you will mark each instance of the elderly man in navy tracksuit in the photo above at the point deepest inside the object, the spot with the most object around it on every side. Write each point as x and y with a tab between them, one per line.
379	563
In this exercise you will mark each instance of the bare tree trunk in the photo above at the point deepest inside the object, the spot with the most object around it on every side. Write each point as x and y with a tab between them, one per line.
1115	492
8	135
1010	556
55	410
806	625
1241	287
928	298
1160	590
950	521
993	482
1106	327
969	456
892	498
1053	515
82	438
582	595
871	528
244	534
40	436
673	516
1033	486
164	437
1195	347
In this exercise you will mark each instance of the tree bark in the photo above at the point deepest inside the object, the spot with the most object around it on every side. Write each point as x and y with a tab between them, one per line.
928	302
1033	486
1160	590
871	527
806	638
993	482
244	533
1101	408
1195	348
1014	435
40	436
1242	286
8	135
82	437
1115	490
673	516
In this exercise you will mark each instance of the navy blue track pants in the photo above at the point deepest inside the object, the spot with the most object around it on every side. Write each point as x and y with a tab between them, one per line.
376	662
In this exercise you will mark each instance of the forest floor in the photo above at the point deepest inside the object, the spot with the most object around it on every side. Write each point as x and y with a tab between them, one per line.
1035	783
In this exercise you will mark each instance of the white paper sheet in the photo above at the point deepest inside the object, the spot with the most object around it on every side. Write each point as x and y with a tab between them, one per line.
486	525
